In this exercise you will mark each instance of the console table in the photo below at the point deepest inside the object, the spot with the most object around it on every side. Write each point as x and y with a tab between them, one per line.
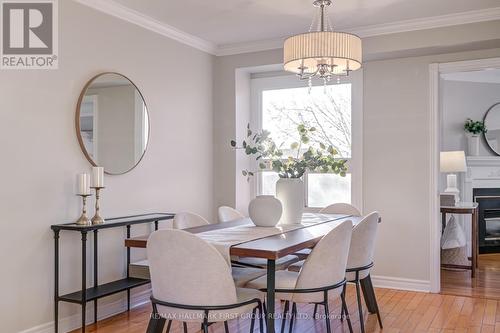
467	208
97	291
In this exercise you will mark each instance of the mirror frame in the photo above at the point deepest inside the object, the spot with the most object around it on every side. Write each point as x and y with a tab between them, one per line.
484	134
77	122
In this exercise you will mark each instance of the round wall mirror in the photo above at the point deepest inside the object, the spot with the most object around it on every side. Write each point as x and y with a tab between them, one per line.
492	123
112	123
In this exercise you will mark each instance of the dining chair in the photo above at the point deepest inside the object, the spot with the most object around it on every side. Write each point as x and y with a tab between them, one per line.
341	208
186	220
191	282
321	279
336	208
360	260
227	214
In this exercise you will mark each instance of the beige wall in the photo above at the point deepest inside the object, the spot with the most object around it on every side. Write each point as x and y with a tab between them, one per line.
396	136
41	157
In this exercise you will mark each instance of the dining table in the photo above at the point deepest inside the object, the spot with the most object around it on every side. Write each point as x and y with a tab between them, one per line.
271	245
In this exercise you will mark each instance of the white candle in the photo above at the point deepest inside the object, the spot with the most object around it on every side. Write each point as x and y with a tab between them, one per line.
83	184
98	177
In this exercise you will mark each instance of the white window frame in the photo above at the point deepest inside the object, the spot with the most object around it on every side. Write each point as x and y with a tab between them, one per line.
263	82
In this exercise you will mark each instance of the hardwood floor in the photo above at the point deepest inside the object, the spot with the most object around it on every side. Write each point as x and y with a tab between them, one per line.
485	284
402	311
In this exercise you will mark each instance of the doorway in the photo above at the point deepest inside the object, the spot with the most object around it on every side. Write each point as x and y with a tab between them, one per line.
460	91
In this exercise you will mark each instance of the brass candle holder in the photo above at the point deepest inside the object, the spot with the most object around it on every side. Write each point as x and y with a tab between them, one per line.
97	219
84	220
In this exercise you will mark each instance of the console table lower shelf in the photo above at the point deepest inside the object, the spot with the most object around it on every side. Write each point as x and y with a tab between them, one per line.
103	290
87	294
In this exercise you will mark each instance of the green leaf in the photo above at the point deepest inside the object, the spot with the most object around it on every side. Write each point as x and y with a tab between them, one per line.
312	129
322	145
262	165
233	143
294	145
244	144
250	173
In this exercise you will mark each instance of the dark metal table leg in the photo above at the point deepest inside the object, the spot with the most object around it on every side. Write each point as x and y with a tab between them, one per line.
369	294
56	281
96	282
271	270
84	278
156	225
128	272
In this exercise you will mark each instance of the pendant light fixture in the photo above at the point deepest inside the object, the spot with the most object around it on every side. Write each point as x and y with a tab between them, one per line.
324	53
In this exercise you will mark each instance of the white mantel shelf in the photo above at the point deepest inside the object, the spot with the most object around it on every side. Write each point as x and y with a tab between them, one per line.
482	161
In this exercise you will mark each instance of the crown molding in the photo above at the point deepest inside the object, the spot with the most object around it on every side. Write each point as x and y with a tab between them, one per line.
248	47
475	16
115	9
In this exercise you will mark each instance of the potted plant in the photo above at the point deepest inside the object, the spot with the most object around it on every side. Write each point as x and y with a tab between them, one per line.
291	164
473	129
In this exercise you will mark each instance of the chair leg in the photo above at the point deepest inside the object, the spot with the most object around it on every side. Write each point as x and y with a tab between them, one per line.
327	313
261	318
315	310
226	327
185	327
285	312
265	312
346	311
168	326
360	307
342	308
156	322
252	321
292	318
376	306
205	322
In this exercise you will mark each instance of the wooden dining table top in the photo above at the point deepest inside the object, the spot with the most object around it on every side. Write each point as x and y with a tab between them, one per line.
270	247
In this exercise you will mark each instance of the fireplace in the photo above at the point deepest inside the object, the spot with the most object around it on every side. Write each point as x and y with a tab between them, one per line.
488	200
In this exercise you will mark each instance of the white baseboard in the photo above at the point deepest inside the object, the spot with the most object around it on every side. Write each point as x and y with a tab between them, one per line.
401	283
105	310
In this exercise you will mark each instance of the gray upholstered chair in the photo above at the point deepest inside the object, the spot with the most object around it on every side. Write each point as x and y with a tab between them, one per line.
187	220
321	278
192	282
360	260
341	208
336	208
227	214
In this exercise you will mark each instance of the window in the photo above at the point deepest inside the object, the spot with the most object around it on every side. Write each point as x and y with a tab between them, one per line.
279	104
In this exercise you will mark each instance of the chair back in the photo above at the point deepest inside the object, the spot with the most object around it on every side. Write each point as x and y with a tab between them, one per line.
363	242
186	220
341	208
326	264
227	214
187	270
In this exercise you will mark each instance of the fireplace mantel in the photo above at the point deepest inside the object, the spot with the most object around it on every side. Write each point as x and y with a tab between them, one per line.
482	172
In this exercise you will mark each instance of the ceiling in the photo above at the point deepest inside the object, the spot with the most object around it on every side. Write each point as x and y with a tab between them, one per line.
491	75
223	22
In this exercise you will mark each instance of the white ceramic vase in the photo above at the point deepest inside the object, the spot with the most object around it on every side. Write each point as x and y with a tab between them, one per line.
473	144
265	211
290	191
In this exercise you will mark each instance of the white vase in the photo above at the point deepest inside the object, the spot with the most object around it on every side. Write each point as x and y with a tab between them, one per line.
265	211
473	145
290	191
